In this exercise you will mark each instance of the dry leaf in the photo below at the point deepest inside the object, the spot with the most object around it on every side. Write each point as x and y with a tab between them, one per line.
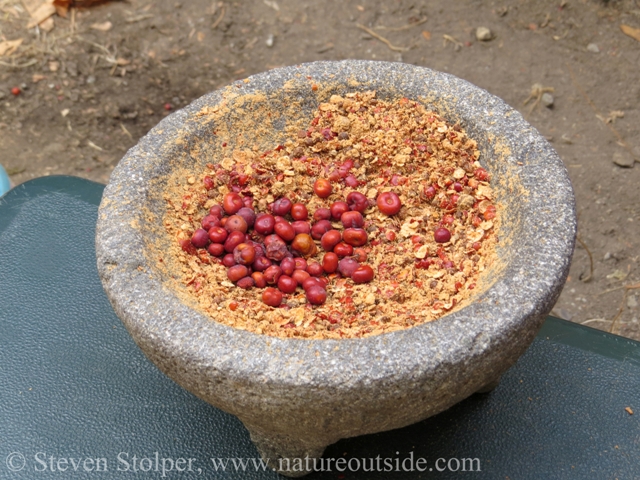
200	36
9	46
630	31
426	34
53	66
122	62
103	27
37	78
40	14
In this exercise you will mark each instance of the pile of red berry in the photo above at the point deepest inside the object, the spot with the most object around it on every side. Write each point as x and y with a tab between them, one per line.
261	249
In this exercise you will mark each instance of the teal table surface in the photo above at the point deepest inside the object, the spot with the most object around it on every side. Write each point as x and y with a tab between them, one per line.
78	399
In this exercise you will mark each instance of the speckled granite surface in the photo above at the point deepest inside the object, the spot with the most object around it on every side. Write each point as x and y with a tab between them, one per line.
298	396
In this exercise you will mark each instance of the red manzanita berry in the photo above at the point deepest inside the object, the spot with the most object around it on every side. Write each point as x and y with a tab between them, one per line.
322	187
360	254
244	254
200	238
316	295
286	284
248	214
300	276
351	181
304	245
337	209
430	192
285	231
490	212
245	283
168	107
315	269
442	235
15	91
260	264
258	279
299	211
343	170
352	219
248	202
343	249
481	174
363	274
288	265
233	240
272	297
235	223
216	211
276	248
312	282
209	221
215	249
356	237
448	220
281	206
330	262
232	202
229	260
264	224
301	226
457	186
357	201
347	266
301	263
237	272
320	228
334	176
322	214
208	182
272	274
389	203
330	239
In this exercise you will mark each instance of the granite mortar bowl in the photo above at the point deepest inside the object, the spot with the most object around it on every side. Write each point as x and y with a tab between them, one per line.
298	396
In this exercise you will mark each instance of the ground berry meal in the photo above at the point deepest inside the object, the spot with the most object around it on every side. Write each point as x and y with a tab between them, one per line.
375	217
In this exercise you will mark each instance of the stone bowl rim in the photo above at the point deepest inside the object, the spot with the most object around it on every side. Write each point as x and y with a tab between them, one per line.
247	355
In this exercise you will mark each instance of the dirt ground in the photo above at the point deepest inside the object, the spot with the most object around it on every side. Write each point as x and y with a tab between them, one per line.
97	82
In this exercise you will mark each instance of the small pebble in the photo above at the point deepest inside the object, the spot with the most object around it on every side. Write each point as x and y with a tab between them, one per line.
484	34
91	79
632	301
623	159
547	100
592	47
270	40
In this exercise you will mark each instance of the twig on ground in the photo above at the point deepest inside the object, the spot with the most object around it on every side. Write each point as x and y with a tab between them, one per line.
33	61
382	39
124	129
590	276
404	27
536	93
219	19
457	43
620	310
